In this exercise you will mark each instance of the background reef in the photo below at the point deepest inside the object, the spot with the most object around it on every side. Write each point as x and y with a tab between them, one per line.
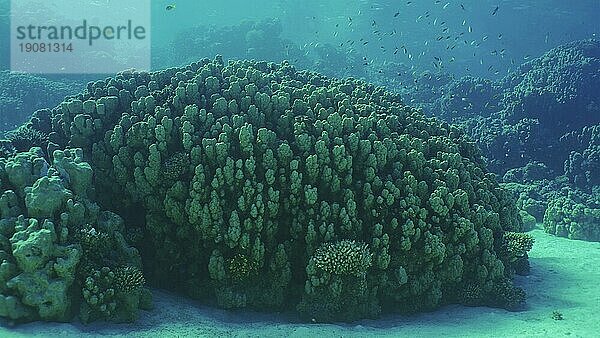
22	94
538	129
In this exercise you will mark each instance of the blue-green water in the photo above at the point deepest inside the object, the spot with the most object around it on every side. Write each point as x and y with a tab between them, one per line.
477	39
227	174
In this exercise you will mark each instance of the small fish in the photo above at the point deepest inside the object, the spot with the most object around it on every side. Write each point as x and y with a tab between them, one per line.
484	38
446	6
396	15
463	7
495	10
500	36
470	29
170	7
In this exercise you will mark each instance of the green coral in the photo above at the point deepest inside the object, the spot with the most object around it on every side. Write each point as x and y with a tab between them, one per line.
53	239
252	171
576	216
565	210
23	169
98	295
336	286
529	222
112	294
74	170
46	197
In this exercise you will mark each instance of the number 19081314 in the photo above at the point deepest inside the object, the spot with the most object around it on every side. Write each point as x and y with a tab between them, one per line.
35	47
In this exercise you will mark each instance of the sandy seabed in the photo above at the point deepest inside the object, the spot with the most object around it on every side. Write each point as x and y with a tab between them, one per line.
565	277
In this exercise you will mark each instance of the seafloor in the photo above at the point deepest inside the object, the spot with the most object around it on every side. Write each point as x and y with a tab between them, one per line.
564	278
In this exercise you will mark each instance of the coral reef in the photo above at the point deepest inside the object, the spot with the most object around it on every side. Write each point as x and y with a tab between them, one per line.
260	40
565	210
249	39
538	128
575	216
583	165
22	94
246	171
53	237
548	103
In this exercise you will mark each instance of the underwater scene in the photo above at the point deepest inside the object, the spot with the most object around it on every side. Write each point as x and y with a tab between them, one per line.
279	168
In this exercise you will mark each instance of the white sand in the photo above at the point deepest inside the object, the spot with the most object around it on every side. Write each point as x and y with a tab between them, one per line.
565	276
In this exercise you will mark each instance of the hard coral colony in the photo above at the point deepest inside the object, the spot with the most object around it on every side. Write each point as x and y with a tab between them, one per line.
261	187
